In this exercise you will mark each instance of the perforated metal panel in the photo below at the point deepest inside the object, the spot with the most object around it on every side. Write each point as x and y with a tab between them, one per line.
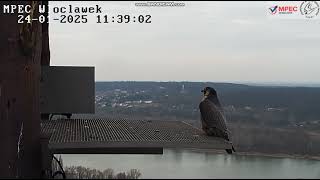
124	133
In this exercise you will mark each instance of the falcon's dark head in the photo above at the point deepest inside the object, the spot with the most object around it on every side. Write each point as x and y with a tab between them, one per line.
209	91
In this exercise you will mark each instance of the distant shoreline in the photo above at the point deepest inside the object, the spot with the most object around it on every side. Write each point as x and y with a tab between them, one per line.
274	155
307	157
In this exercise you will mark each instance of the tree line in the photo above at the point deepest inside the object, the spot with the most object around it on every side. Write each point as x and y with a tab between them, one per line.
81	172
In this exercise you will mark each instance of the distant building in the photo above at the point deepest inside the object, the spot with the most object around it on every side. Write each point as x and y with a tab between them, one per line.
137	102
248	108
275	109
182	89
230	108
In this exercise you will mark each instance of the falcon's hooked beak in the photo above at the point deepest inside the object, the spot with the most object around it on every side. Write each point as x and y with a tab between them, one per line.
205	92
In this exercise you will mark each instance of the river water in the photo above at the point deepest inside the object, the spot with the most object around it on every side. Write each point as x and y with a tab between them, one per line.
191	164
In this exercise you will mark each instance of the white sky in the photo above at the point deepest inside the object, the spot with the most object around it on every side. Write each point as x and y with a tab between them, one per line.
203	41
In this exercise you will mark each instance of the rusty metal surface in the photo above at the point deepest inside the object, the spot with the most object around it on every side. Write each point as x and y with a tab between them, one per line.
109	133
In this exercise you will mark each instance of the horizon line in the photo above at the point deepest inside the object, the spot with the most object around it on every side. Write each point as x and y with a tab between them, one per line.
270	83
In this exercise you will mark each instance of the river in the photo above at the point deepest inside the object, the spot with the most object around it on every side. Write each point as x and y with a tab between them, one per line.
190	164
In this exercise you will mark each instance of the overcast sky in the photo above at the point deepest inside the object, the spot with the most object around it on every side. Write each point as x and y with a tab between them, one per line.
202	41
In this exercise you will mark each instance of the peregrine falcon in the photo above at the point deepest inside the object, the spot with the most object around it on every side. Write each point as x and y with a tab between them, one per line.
212	116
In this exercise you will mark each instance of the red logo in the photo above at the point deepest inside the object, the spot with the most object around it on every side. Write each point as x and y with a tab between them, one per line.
283	9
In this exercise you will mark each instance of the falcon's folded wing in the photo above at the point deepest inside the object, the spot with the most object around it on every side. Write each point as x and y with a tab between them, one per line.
213	120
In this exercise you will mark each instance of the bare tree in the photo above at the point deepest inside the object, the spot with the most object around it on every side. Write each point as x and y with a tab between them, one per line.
108	173
121	175
133	174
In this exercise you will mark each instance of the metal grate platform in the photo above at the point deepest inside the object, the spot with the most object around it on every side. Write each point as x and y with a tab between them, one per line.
125	136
